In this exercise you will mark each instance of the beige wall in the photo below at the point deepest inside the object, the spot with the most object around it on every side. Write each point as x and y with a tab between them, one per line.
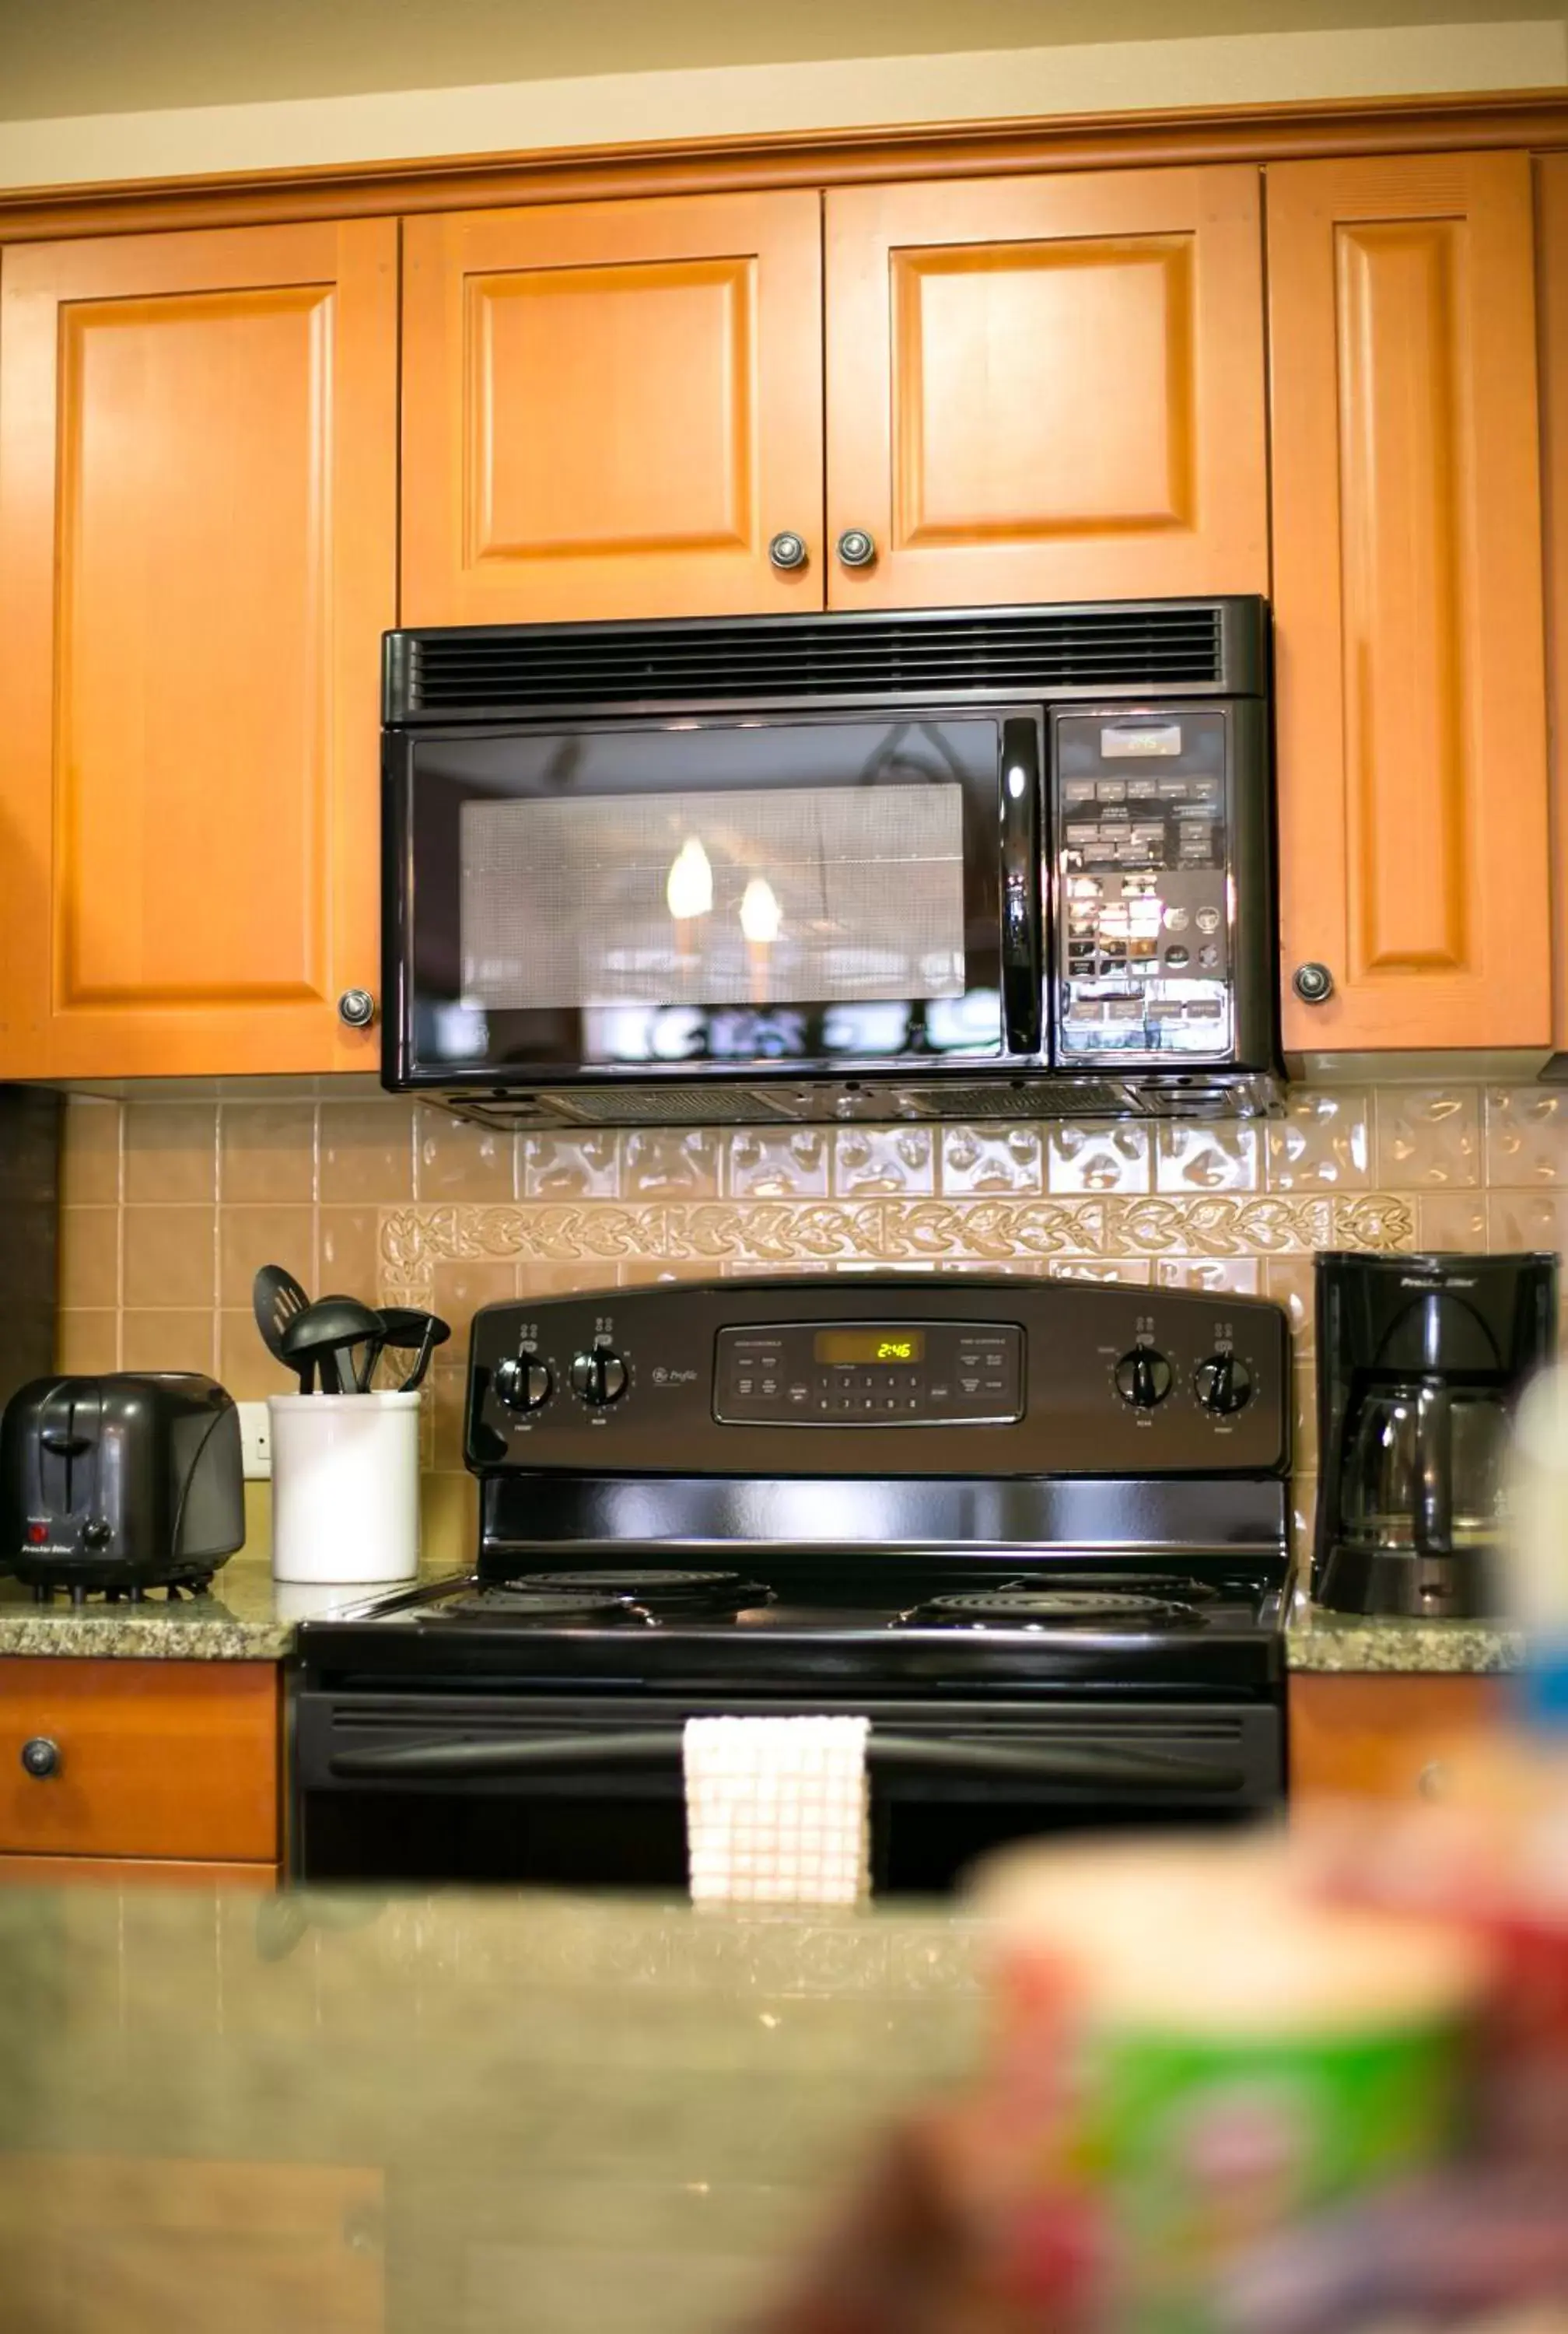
171	1204
731	101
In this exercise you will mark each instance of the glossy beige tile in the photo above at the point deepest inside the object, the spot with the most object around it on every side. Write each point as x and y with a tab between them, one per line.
1527	1135
244	1364
1204	1155
774	1163
1527	1220
570	1166
169	1340
90	1151
367	1152
538	1280
169	1257
1453	1220
454	1160
266	1152
447	1388
1242	1275
1324	1143
893	1159
1304	1422
658	1163
1137	1271
170	1151
249	1238
1291	1281
977	1159
1429	1138
89	1263
1082	1156
348	1251
87	1342
460	1289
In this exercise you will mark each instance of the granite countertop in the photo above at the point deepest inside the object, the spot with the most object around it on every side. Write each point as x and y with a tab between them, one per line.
1346	1643
246	1616
448	2113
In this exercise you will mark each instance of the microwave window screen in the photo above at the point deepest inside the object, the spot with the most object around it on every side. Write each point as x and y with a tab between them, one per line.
784	895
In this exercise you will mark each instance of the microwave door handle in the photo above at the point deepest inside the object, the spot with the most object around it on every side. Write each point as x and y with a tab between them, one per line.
1020	836
1063	1764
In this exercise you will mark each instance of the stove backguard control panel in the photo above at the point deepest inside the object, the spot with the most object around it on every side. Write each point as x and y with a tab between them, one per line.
826	1376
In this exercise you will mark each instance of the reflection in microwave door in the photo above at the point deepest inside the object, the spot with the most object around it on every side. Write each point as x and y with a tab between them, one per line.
964	1024
458	1030
737	1036
874	1031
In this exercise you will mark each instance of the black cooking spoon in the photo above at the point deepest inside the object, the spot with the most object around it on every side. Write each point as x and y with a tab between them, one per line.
320	1339
405	1329
276	1298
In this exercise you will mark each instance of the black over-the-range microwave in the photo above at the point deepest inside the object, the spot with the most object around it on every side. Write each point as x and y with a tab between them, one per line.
943	864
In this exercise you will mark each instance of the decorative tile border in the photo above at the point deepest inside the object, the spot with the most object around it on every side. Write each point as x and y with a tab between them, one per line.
804	1232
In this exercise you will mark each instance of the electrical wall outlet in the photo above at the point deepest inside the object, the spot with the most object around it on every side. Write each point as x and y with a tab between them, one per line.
255	1437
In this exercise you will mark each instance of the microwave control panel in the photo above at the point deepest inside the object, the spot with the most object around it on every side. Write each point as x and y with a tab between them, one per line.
1144	944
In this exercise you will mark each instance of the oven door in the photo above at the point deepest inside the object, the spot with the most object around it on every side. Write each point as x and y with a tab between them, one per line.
704	897
435	1786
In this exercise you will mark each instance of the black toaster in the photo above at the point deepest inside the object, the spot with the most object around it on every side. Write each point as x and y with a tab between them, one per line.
131	1481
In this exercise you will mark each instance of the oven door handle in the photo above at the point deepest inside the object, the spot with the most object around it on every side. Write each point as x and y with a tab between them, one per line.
1020	826
1064	1763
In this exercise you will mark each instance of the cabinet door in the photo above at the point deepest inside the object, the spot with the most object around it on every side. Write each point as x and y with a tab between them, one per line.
1551	274
1047	389
177	1761
1399	1737
1412	723
197	472
612	410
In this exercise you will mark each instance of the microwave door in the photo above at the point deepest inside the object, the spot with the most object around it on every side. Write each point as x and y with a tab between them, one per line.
700	898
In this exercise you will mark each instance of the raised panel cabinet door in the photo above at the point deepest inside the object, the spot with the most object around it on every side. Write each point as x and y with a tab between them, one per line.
613	410
1412	725
1046	389
1552	276
197	557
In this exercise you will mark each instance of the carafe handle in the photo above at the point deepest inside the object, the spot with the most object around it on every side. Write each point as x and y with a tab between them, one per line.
1434	1517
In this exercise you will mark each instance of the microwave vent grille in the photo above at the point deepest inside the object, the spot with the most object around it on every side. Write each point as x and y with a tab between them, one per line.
1130	650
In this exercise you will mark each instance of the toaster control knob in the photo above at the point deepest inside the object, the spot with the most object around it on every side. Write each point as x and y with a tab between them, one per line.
522	1382
1143	1378
1222	1384
41	1757
599	1378
97	1535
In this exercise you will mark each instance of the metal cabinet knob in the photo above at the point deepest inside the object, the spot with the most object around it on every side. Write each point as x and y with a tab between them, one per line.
41	1757
1313	983
856	547
357	1009
787	551
1432	1782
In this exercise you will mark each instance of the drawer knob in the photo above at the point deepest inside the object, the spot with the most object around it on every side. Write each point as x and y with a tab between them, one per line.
788	550
1313	983
1433	1781
856	547
41	1757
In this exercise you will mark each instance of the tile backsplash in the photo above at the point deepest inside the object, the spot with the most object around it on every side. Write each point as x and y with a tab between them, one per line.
170	1205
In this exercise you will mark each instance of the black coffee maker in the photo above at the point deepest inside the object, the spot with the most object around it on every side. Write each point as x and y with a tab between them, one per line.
1419	1360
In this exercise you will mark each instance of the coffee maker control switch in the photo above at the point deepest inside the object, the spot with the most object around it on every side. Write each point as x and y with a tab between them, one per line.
1143	1378
1222	1384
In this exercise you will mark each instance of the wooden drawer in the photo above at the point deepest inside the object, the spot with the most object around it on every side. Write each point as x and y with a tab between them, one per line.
177	1760
1389	1738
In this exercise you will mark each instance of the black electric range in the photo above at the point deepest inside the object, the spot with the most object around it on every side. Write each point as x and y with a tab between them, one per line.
1034	1530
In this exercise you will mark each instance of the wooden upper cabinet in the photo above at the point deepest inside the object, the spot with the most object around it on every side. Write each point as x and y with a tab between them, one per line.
1047	388
1552	206
611	410
197	555
1411	727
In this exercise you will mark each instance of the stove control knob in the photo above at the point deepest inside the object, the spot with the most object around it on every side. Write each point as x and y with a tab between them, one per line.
1143	1378
522	1382
599	1378
1222	1384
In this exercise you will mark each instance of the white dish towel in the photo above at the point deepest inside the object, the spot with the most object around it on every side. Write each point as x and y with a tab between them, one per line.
777	1810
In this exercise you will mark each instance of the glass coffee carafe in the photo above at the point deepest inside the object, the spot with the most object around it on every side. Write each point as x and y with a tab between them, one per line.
1419	1358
